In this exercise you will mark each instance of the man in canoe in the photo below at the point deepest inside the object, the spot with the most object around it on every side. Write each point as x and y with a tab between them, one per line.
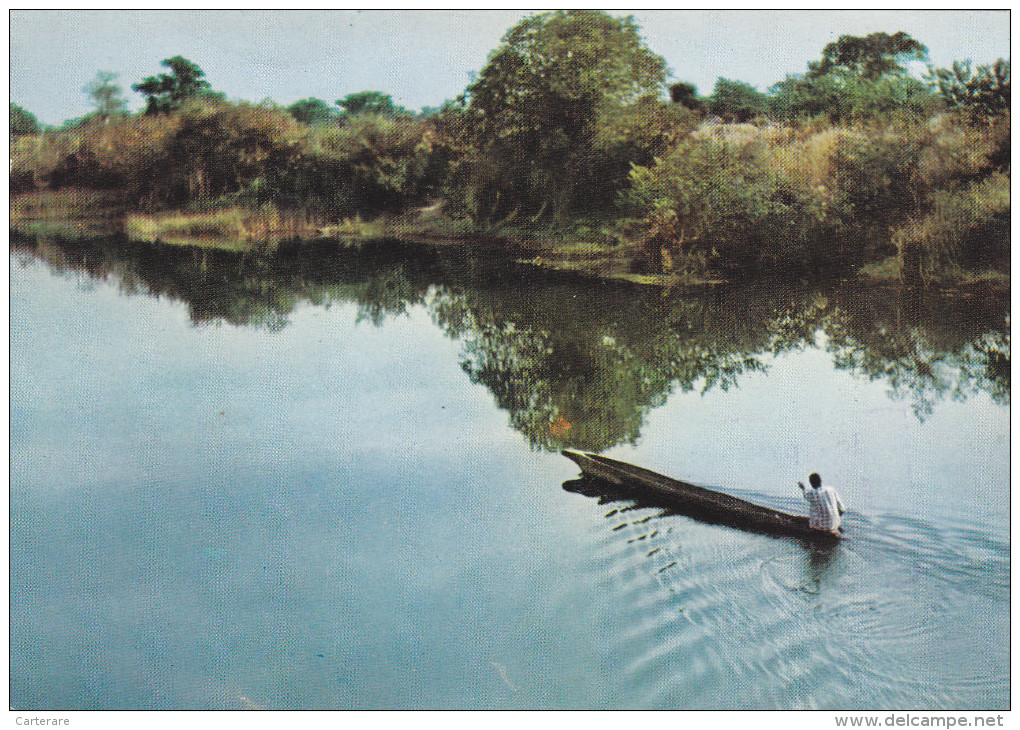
825	506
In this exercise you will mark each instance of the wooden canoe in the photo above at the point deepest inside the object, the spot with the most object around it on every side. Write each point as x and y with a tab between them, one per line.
692	500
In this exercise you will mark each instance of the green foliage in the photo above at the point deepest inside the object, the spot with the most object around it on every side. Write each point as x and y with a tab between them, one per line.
220	151
537	107
22	122
739	200
870	57
313	111
166	92
968	226
371	164
736	100
841	99
983	92
685	94
371	102
106	95
210	154
803	96
878	176
889	97
891	175
718	206
857	79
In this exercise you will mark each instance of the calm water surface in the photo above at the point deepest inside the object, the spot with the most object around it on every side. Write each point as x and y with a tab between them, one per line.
329	479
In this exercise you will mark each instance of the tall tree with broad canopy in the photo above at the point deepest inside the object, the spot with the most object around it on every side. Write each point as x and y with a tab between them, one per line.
165	92
869	57
549	109
857	77
313	111
370	102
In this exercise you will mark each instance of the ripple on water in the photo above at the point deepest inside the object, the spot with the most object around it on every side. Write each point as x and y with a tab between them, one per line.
902	614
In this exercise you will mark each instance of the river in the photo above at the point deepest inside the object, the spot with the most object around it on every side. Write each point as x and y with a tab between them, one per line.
328	478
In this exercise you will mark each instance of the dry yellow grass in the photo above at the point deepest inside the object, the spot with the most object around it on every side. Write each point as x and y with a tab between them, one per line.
805	163
67	203
802	159
231	225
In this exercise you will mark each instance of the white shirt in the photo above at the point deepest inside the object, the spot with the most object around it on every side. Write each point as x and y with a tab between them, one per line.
824	507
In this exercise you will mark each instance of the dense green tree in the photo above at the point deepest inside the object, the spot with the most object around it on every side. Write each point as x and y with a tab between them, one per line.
736	100
106	95
313	111
370	102
850	98
22	122
165	92
869	57
685	94
983	91
537	108
799	95
857	78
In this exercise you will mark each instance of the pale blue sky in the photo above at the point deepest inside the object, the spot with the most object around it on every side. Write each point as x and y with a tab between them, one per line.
423	57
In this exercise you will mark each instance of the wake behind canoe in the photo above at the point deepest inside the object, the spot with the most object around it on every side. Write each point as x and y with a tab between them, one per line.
692	500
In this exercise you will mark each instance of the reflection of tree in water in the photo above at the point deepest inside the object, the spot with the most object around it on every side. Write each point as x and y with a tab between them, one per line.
586	375
577	363
580	372
557	388
925	351
244	289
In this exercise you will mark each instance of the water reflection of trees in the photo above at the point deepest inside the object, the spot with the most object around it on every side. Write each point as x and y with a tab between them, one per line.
578	363
925	350
245	289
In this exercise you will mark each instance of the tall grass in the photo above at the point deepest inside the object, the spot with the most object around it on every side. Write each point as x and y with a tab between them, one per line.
232	225
71	203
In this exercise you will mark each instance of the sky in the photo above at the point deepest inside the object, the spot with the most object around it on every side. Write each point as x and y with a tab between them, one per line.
424	57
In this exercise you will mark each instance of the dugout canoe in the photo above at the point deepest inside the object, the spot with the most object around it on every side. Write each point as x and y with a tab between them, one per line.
690	499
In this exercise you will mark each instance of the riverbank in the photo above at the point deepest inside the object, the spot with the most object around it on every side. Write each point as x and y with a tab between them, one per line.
612	250
77	213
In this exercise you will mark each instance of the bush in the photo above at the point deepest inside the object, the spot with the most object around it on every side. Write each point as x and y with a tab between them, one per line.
849	99
969	227
371	164
876	176
736	101
209	155
983	92
742	202
22	122
708	204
